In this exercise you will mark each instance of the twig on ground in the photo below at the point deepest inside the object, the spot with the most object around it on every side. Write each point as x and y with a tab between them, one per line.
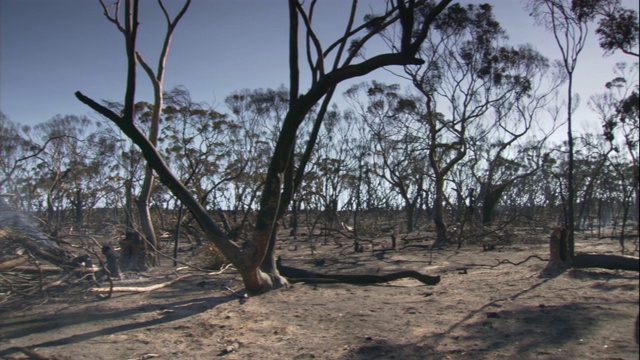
500	262
238	295
505	261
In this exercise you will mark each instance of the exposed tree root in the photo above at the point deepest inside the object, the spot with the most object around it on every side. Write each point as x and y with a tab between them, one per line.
500	262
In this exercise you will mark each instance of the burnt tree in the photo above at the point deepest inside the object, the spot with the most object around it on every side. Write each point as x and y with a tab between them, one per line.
255	259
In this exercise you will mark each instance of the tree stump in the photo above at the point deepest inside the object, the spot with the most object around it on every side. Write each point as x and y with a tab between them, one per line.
559	254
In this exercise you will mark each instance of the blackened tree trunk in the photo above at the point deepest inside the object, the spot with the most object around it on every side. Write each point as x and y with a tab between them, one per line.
561	257
410	209
177	234
78	206
133	247
438	212
559	250
294	218
491	199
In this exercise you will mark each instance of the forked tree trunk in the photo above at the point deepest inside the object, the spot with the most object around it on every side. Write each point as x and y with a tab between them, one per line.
491	199
255	259
157	81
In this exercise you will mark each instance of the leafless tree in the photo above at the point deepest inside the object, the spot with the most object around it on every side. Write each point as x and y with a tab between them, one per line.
570	31
469	69
506	146
398	138
129	30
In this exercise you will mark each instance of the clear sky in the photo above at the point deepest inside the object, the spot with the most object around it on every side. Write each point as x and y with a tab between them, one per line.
51	48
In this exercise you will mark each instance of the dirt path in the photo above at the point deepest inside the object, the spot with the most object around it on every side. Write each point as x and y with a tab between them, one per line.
504	312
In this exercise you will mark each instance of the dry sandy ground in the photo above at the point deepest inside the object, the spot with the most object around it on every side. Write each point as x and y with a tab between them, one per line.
503	312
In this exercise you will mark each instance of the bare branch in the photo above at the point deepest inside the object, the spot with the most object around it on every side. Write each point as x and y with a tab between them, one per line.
347	30
294	72
113	19
131	32
319	66
378	23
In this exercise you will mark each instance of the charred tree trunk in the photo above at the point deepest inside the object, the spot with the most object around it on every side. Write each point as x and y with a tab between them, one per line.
78	205
294	219
134	248
176	235
157	81
438	213
559	249
560	257
409	208
112	262
491	199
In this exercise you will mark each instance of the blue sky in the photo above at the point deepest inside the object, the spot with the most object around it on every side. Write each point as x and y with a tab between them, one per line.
51	48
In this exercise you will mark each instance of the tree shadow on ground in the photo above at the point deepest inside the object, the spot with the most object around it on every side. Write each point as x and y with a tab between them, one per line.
601	274
382	349
487	330
530	330
106	322
601	279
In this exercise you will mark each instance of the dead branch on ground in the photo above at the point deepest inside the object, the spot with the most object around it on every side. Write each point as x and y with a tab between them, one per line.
310	277
138	289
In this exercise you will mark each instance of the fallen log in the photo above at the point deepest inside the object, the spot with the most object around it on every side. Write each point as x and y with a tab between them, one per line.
310	277
606	261
560	256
